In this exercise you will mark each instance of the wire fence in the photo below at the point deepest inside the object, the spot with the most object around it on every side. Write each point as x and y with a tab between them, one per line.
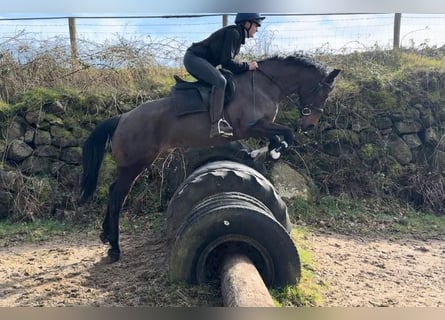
169	37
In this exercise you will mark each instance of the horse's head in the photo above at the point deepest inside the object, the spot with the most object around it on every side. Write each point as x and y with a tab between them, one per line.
313	98
304	77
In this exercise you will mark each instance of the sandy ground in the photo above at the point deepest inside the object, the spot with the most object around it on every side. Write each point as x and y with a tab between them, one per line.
367	272
357	271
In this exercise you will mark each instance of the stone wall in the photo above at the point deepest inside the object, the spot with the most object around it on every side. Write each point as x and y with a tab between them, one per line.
41	157
40	151
414	137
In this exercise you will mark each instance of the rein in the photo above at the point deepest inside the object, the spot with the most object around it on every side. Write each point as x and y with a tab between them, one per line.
306	110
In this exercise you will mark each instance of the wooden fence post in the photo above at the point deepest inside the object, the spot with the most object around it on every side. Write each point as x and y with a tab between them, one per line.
397	20
225	20
73	41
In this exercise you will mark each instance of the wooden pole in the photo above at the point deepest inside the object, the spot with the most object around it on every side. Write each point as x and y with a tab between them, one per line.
225	20
242	285
397	21
73	41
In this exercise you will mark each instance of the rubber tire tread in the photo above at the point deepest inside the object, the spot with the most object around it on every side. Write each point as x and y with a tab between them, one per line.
223	176
208	222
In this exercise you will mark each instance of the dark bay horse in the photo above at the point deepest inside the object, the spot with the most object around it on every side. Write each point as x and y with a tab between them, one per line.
138	136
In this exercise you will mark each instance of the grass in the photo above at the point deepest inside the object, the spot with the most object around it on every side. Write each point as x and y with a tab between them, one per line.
19	232
308	292
12	233
367	217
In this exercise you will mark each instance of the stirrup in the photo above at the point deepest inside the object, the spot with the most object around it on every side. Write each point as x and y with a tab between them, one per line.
224	128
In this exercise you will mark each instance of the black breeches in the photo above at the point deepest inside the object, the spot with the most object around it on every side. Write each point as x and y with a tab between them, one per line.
203	70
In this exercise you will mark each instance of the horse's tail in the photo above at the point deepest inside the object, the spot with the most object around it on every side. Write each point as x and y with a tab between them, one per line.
92	155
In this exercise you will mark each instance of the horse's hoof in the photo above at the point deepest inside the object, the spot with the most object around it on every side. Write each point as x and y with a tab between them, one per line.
275	155
103	237
254	154
258	153
113	255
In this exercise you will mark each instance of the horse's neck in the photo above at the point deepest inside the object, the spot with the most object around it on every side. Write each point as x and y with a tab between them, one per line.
275	78
288	79
261	81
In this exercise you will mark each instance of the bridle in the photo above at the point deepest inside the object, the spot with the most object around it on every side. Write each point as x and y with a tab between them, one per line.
307	109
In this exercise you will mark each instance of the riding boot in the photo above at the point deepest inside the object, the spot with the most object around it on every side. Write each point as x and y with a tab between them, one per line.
218	125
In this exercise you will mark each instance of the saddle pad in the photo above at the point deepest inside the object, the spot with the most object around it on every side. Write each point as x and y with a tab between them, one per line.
189	100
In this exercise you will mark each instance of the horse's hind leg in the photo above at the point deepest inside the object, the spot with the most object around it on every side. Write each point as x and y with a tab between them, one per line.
105	230
117	195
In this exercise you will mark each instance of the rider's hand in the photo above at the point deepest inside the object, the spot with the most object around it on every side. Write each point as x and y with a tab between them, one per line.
253	65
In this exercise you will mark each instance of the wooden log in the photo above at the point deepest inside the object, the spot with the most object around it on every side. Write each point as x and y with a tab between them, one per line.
242	285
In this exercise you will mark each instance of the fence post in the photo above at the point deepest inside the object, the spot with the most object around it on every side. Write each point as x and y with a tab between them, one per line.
225	20
397	20
73	41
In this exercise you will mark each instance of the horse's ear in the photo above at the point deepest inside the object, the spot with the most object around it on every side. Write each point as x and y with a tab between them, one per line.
331	76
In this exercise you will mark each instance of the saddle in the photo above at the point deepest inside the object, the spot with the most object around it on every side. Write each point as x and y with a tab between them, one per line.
194	96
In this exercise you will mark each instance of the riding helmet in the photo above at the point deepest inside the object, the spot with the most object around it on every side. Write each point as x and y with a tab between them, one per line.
254	17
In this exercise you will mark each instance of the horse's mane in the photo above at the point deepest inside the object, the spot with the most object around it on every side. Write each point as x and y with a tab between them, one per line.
301	60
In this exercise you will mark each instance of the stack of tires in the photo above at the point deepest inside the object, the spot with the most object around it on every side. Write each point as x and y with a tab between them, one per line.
225	207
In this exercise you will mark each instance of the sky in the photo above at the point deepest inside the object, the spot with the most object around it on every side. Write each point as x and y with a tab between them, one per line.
300	32
315	30
222	6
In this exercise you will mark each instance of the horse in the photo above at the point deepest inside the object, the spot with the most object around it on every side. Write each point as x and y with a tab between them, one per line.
138	136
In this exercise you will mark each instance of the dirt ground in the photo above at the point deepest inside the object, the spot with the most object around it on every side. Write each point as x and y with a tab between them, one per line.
367	272
357	271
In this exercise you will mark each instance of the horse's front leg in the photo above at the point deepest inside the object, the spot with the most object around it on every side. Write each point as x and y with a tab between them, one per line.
276	146
273	131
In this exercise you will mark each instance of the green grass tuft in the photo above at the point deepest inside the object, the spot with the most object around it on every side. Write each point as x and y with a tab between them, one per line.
36	231
309	291
367	217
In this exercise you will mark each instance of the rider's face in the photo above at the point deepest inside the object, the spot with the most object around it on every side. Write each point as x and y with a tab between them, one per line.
252	28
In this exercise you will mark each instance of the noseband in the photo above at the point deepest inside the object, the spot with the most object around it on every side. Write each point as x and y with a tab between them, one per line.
307	109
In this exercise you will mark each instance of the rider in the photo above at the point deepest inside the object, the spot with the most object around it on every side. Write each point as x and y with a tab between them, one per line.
220	48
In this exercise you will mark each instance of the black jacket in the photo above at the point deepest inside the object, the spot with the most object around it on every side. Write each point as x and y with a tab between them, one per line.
221	47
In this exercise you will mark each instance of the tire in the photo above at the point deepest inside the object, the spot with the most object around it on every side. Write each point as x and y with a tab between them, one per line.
234	151
231	197
186	161
233	223
223	176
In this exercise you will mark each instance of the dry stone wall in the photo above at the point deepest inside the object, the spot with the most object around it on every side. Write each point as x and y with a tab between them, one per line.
41	158
40	152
